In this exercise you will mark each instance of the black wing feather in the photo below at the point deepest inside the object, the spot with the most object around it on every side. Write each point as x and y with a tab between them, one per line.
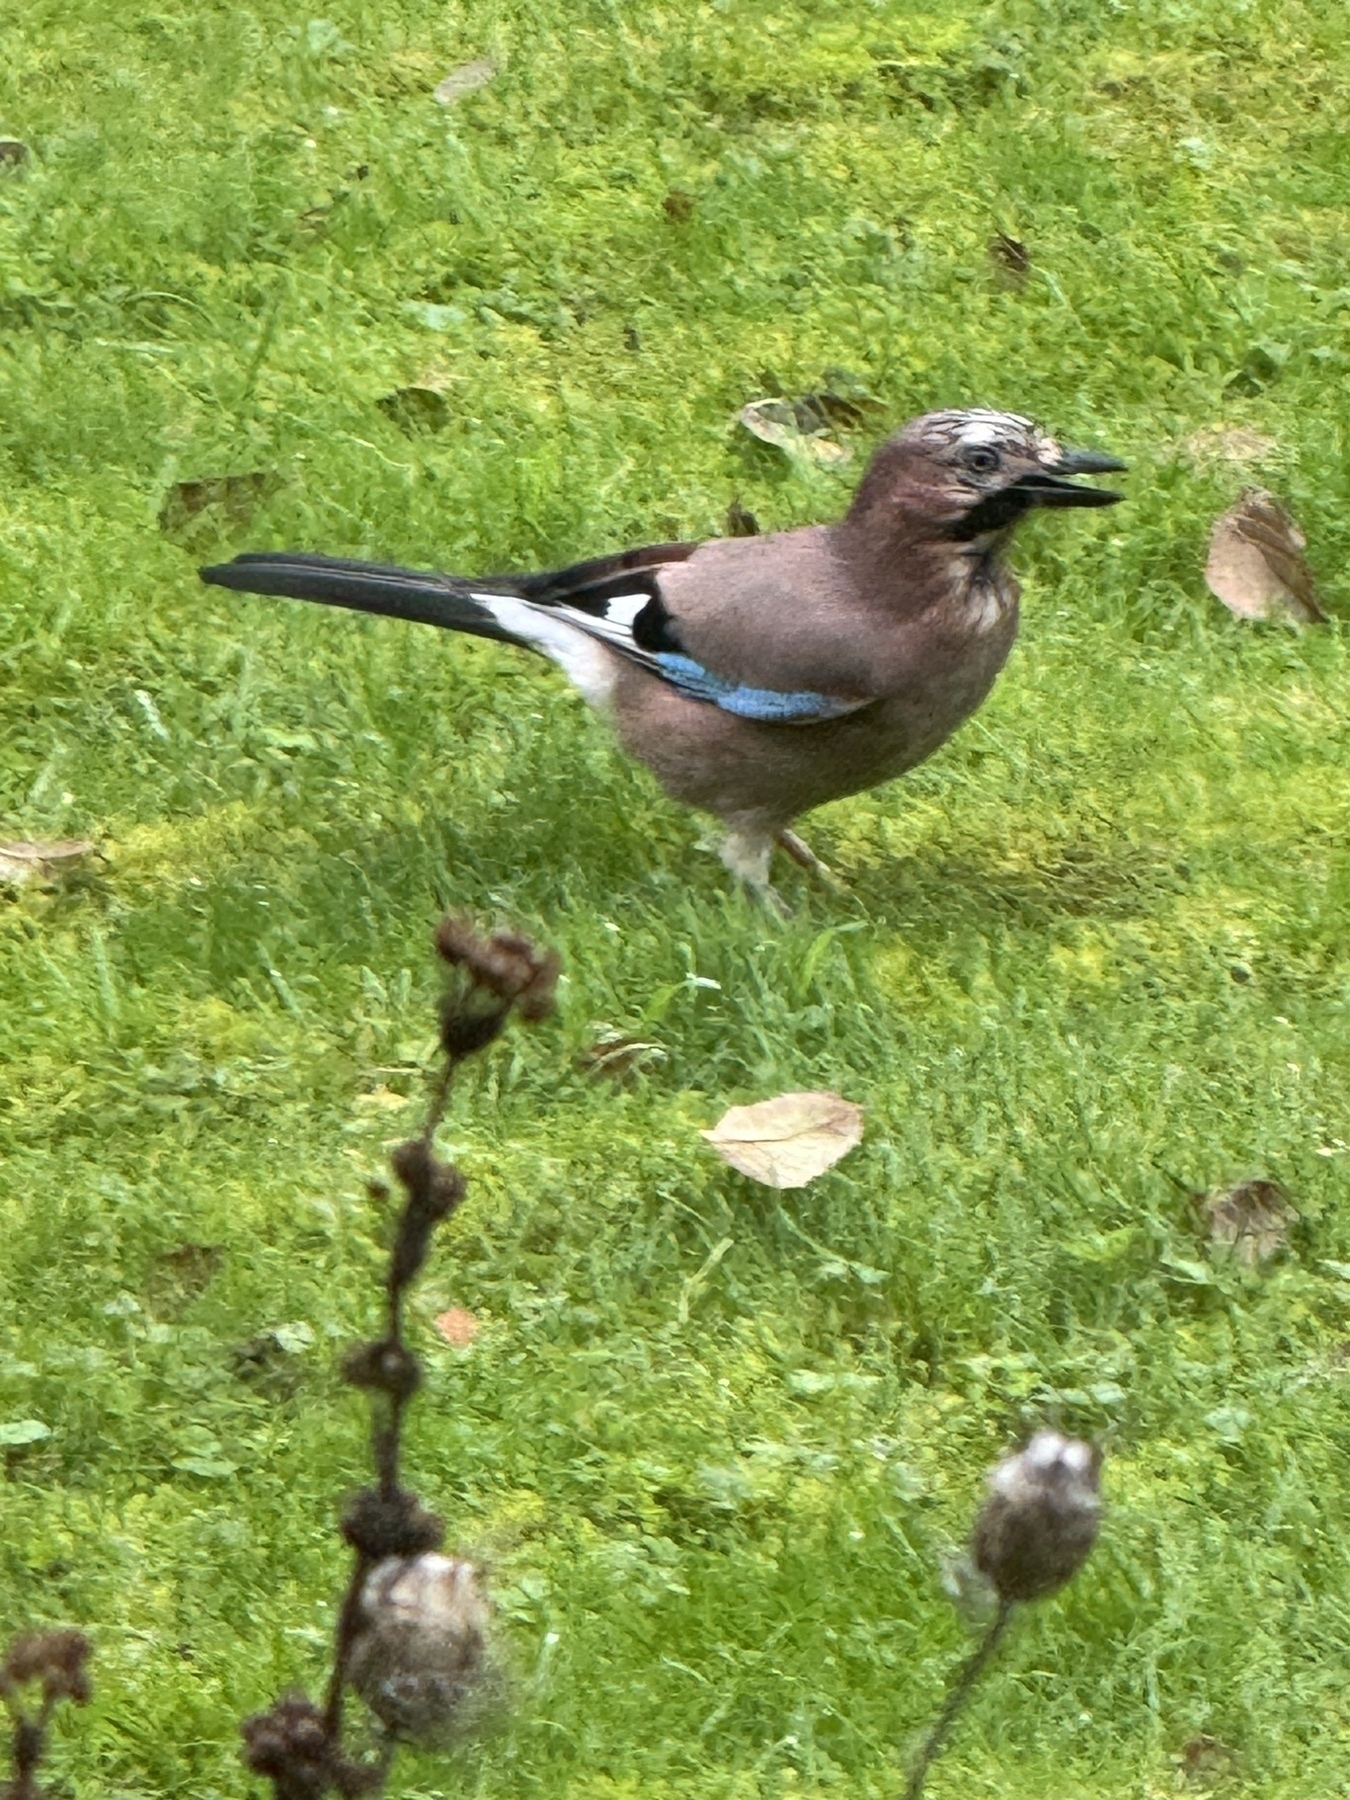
606	575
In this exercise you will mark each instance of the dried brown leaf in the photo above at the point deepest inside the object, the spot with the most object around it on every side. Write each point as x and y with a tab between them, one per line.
823	411
846	398
466	79
1010	256
1229	443
1205	1761
617	1056
1256	564
42	863
741	522
1250	1223
787	1141
383	1098
779	422
176	1277
236	496
416	408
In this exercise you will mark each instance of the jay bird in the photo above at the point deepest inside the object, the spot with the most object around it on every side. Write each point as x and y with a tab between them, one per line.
757	677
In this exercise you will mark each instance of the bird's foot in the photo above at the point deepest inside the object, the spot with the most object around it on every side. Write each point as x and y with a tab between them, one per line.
803	855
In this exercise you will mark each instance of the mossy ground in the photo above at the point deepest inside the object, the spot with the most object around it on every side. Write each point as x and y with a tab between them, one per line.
715	1443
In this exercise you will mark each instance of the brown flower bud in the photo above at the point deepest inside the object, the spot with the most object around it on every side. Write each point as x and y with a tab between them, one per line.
1041	1518
419	1657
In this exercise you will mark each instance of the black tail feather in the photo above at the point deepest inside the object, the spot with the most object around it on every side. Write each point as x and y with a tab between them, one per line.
425	597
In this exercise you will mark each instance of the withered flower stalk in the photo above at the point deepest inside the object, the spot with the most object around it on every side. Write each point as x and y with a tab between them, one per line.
960	1692
1033	1534
56	1663
410	1634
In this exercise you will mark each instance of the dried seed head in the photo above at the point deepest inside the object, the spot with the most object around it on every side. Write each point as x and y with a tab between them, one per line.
58	1659
383	1526
1041	1518
420	1656
469	1023
495	973
434	1190
291	1746
505	964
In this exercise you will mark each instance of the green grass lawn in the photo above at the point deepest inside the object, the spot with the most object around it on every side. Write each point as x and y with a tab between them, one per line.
716	1445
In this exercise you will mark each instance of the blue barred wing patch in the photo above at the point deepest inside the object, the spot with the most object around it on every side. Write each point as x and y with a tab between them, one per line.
768	704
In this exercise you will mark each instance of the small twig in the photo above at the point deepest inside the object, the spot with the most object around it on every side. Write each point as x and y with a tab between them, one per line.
937	1737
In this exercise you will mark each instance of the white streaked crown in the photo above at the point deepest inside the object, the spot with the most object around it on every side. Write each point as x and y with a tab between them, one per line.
981	425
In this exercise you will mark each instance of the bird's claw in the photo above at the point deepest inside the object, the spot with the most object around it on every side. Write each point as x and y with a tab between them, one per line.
805	858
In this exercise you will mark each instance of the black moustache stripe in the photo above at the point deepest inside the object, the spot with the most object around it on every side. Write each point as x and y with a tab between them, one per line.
996	512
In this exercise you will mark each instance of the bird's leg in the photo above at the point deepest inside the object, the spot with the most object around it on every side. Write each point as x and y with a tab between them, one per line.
746	854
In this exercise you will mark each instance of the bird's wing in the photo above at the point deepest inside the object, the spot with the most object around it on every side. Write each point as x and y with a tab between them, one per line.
617	601
782	612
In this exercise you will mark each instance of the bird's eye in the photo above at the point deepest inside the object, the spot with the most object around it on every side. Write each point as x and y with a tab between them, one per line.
981	460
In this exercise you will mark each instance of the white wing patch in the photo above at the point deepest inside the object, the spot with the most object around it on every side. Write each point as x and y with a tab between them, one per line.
587	664
614	625
622	609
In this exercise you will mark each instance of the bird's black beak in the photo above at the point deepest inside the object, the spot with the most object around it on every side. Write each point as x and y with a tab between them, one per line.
1051	486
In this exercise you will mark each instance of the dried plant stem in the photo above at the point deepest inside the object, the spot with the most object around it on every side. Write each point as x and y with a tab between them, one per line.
386	1432
936	1740
296	1746
348	1620
439	1096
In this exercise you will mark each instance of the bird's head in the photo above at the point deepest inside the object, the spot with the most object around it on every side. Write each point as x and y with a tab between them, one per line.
968	477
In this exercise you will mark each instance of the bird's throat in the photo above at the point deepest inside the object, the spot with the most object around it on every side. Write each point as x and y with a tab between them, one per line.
983	592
